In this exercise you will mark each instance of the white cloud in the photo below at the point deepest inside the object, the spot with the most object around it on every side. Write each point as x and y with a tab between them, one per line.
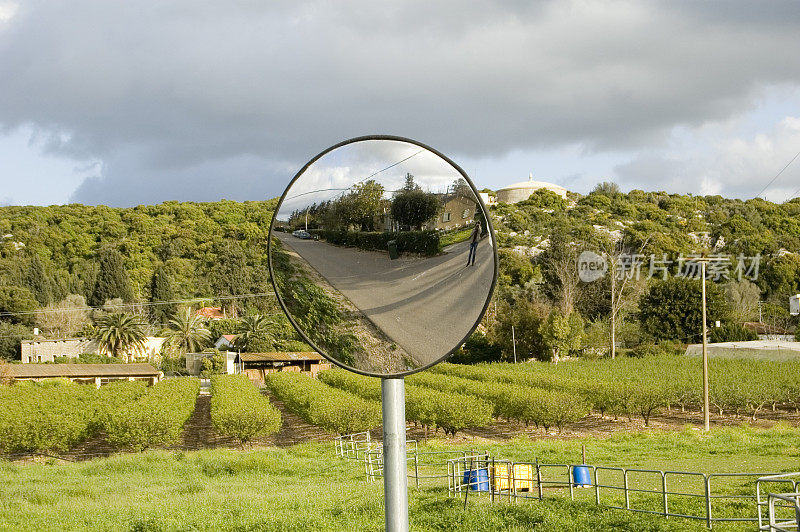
710	160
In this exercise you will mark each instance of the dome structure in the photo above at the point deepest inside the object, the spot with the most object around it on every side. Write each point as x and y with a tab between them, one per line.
523	190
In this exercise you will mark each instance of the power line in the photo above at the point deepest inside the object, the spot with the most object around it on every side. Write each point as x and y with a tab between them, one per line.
792	195
778	175
373	174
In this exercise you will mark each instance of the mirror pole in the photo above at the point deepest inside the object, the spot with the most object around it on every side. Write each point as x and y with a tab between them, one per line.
395	480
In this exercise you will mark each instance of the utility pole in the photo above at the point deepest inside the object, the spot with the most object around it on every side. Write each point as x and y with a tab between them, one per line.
514	343
706	421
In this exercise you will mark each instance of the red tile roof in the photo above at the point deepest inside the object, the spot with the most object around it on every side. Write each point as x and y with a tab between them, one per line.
212	313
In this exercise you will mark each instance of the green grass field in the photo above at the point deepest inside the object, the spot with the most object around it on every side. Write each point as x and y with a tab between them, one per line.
307	487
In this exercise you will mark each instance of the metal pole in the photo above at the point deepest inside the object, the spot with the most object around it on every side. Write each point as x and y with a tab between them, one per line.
395	481
706	421
514	343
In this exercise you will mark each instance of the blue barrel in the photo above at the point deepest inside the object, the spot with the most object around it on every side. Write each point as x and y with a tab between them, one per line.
581	476
477	479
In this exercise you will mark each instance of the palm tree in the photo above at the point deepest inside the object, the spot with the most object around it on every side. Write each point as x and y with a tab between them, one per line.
186	331
119	333
254	330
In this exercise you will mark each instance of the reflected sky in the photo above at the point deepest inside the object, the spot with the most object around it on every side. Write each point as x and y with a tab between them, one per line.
384	161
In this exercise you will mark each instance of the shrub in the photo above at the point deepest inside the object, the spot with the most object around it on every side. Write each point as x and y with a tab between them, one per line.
44	418
239	410
422	242
430	408
156	418
322	405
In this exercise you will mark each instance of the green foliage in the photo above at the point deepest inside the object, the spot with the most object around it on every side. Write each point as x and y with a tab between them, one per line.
156	418
173	364
254	334
672	309
186	332
213	365
239	410
118	334
19	303
422	242
319	317
235	274
527	317
11	334
87	358
112	279
431	408
731	332
545	199
44	418
477	348
160	291
516	269
38	282
217	328
334	410
562	334
414	208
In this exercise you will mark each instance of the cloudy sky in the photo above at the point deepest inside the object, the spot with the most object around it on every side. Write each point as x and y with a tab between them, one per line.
123	103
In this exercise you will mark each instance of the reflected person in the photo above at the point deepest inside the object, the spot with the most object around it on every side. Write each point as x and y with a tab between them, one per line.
473	243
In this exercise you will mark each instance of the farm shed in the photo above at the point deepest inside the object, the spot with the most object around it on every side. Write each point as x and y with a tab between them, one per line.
756	349
97	374
256	365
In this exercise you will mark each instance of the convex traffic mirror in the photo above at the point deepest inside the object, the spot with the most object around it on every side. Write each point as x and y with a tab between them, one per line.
382	255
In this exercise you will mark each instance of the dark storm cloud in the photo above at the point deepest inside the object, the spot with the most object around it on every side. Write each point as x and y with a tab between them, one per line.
188	100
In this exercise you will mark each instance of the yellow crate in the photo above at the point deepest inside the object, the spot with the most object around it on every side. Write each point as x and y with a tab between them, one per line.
522	479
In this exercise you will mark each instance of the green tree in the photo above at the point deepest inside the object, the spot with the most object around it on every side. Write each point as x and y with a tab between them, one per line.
254	333
235	274
161	291
118	334
112	280
18	305
526	317
186	332
213	365
743	297
672	309
562	334
38	282
362	206
11	334
515	268
414	208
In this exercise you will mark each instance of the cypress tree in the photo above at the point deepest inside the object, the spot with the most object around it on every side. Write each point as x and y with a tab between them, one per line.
38	282
161	290
112	279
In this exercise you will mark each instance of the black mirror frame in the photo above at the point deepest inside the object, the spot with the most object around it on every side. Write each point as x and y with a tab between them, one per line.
488	225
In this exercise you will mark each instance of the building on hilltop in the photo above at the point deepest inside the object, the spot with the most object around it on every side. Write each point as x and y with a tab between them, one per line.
523	190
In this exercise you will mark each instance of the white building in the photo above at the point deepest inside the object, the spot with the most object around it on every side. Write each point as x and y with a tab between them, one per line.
523	190
44	350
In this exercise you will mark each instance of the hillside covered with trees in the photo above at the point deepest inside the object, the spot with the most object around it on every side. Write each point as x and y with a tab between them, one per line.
63	258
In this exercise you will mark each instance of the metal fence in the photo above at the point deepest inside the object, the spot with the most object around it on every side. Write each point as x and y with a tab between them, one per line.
710	497
778	511
772	500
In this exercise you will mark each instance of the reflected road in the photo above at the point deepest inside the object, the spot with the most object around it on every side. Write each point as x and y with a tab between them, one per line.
424	304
